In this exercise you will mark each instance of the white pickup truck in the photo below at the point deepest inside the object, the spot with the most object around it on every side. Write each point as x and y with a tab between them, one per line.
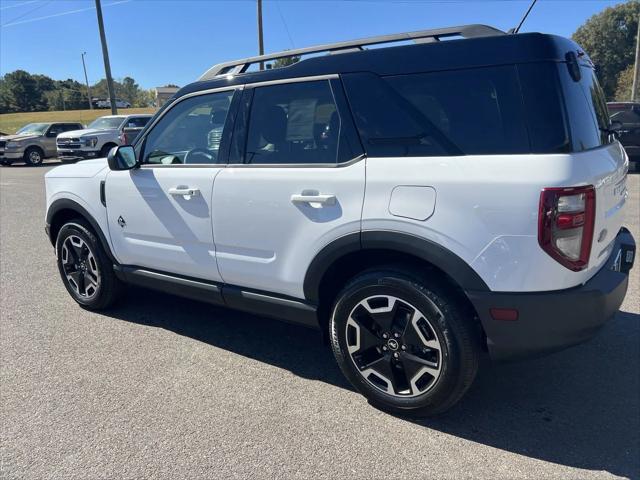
100	136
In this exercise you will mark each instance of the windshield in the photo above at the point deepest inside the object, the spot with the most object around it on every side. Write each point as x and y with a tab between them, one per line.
35	128
106	123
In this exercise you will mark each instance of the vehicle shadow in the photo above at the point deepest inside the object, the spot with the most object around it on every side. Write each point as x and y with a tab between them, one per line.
579	408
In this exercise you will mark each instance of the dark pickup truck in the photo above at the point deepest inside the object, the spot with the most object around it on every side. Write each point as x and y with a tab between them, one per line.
628	114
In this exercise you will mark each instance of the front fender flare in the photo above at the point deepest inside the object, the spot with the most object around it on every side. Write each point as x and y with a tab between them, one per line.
68	204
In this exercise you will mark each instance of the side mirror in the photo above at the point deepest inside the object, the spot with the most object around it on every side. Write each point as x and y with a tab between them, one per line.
53	134
122	158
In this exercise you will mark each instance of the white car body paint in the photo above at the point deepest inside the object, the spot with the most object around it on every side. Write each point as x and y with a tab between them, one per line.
162	230
245	230
267	241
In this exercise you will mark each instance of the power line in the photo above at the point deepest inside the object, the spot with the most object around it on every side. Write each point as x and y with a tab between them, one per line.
27	13
62	14
21	4
285	24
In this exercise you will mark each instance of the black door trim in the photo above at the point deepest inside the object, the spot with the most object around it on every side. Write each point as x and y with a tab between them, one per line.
257	302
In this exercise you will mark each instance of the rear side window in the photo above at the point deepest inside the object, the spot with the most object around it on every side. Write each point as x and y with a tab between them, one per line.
137	122
293	123
542	97
624	115
468	112
586	109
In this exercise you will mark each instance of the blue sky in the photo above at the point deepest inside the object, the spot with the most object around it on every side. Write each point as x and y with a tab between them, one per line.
174	41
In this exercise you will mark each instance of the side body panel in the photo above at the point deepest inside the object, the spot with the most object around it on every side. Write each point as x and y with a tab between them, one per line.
486	210
265	240
150	227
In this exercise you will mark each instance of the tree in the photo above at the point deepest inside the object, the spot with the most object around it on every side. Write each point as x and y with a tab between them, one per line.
610	38
4	97
625	83
285	61
21	90
129	90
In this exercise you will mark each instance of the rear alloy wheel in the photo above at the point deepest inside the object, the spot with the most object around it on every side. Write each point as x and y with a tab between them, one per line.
394	346
405	342
33	156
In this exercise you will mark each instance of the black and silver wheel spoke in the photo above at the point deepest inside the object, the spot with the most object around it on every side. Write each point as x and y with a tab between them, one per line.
394	345
80	266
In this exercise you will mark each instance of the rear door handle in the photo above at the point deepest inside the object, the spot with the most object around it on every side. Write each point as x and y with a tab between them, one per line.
322	199
184	191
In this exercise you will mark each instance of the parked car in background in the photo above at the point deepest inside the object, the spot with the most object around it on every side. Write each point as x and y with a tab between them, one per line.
100	136
33	142
628	114
107	104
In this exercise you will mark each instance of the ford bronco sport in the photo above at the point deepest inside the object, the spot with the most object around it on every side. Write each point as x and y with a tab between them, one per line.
416	203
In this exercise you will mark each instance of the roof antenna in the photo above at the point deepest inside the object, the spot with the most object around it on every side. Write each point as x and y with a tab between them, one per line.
517	29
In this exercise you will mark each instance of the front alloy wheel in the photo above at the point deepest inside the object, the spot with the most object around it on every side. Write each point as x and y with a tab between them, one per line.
394	346
80	267
85	267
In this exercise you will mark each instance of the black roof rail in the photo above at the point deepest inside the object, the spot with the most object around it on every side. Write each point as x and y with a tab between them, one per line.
422	36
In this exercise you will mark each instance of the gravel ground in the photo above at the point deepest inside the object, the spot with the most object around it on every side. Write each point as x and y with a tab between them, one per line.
168	388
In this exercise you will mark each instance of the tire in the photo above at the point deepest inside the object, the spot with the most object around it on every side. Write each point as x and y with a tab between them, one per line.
85	268
33	156
104	151
405	342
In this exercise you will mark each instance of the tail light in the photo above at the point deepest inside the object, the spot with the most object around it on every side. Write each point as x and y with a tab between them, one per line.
566	223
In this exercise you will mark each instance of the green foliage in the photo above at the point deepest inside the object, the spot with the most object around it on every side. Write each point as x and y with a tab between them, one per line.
21	91
625	83
285	61
610	40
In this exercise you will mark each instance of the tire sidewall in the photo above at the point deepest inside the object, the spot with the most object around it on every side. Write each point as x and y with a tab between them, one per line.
104	151
27	156
79	230
404	288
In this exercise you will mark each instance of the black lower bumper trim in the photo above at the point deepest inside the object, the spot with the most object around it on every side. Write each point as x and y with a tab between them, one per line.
552	321
72	155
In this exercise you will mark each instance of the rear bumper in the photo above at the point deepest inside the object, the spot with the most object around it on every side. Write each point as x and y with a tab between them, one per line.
552	321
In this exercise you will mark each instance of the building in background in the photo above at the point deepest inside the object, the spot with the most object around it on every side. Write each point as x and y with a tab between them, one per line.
163	94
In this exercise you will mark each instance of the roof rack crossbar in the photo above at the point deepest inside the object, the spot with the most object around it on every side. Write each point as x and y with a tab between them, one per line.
422	36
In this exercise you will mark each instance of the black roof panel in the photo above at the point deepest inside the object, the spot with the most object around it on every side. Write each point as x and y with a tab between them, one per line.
421	57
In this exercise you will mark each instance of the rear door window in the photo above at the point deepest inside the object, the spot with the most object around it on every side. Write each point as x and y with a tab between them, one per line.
467	112
137	122
295	123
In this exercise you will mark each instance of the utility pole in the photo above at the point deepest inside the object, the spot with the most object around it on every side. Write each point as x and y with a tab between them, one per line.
86	79
636	70
105	56
260	39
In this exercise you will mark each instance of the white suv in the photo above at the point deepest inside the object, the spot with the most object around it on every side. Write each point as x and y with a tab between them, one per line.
418	204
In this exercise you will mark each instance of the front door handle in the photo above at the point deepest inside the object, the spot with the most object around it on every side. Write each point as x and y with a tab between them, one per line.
315	198
184	191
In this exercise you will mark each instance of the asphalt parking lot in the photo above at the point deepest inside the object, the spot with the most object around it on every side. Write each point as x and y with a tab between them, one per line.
161	387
